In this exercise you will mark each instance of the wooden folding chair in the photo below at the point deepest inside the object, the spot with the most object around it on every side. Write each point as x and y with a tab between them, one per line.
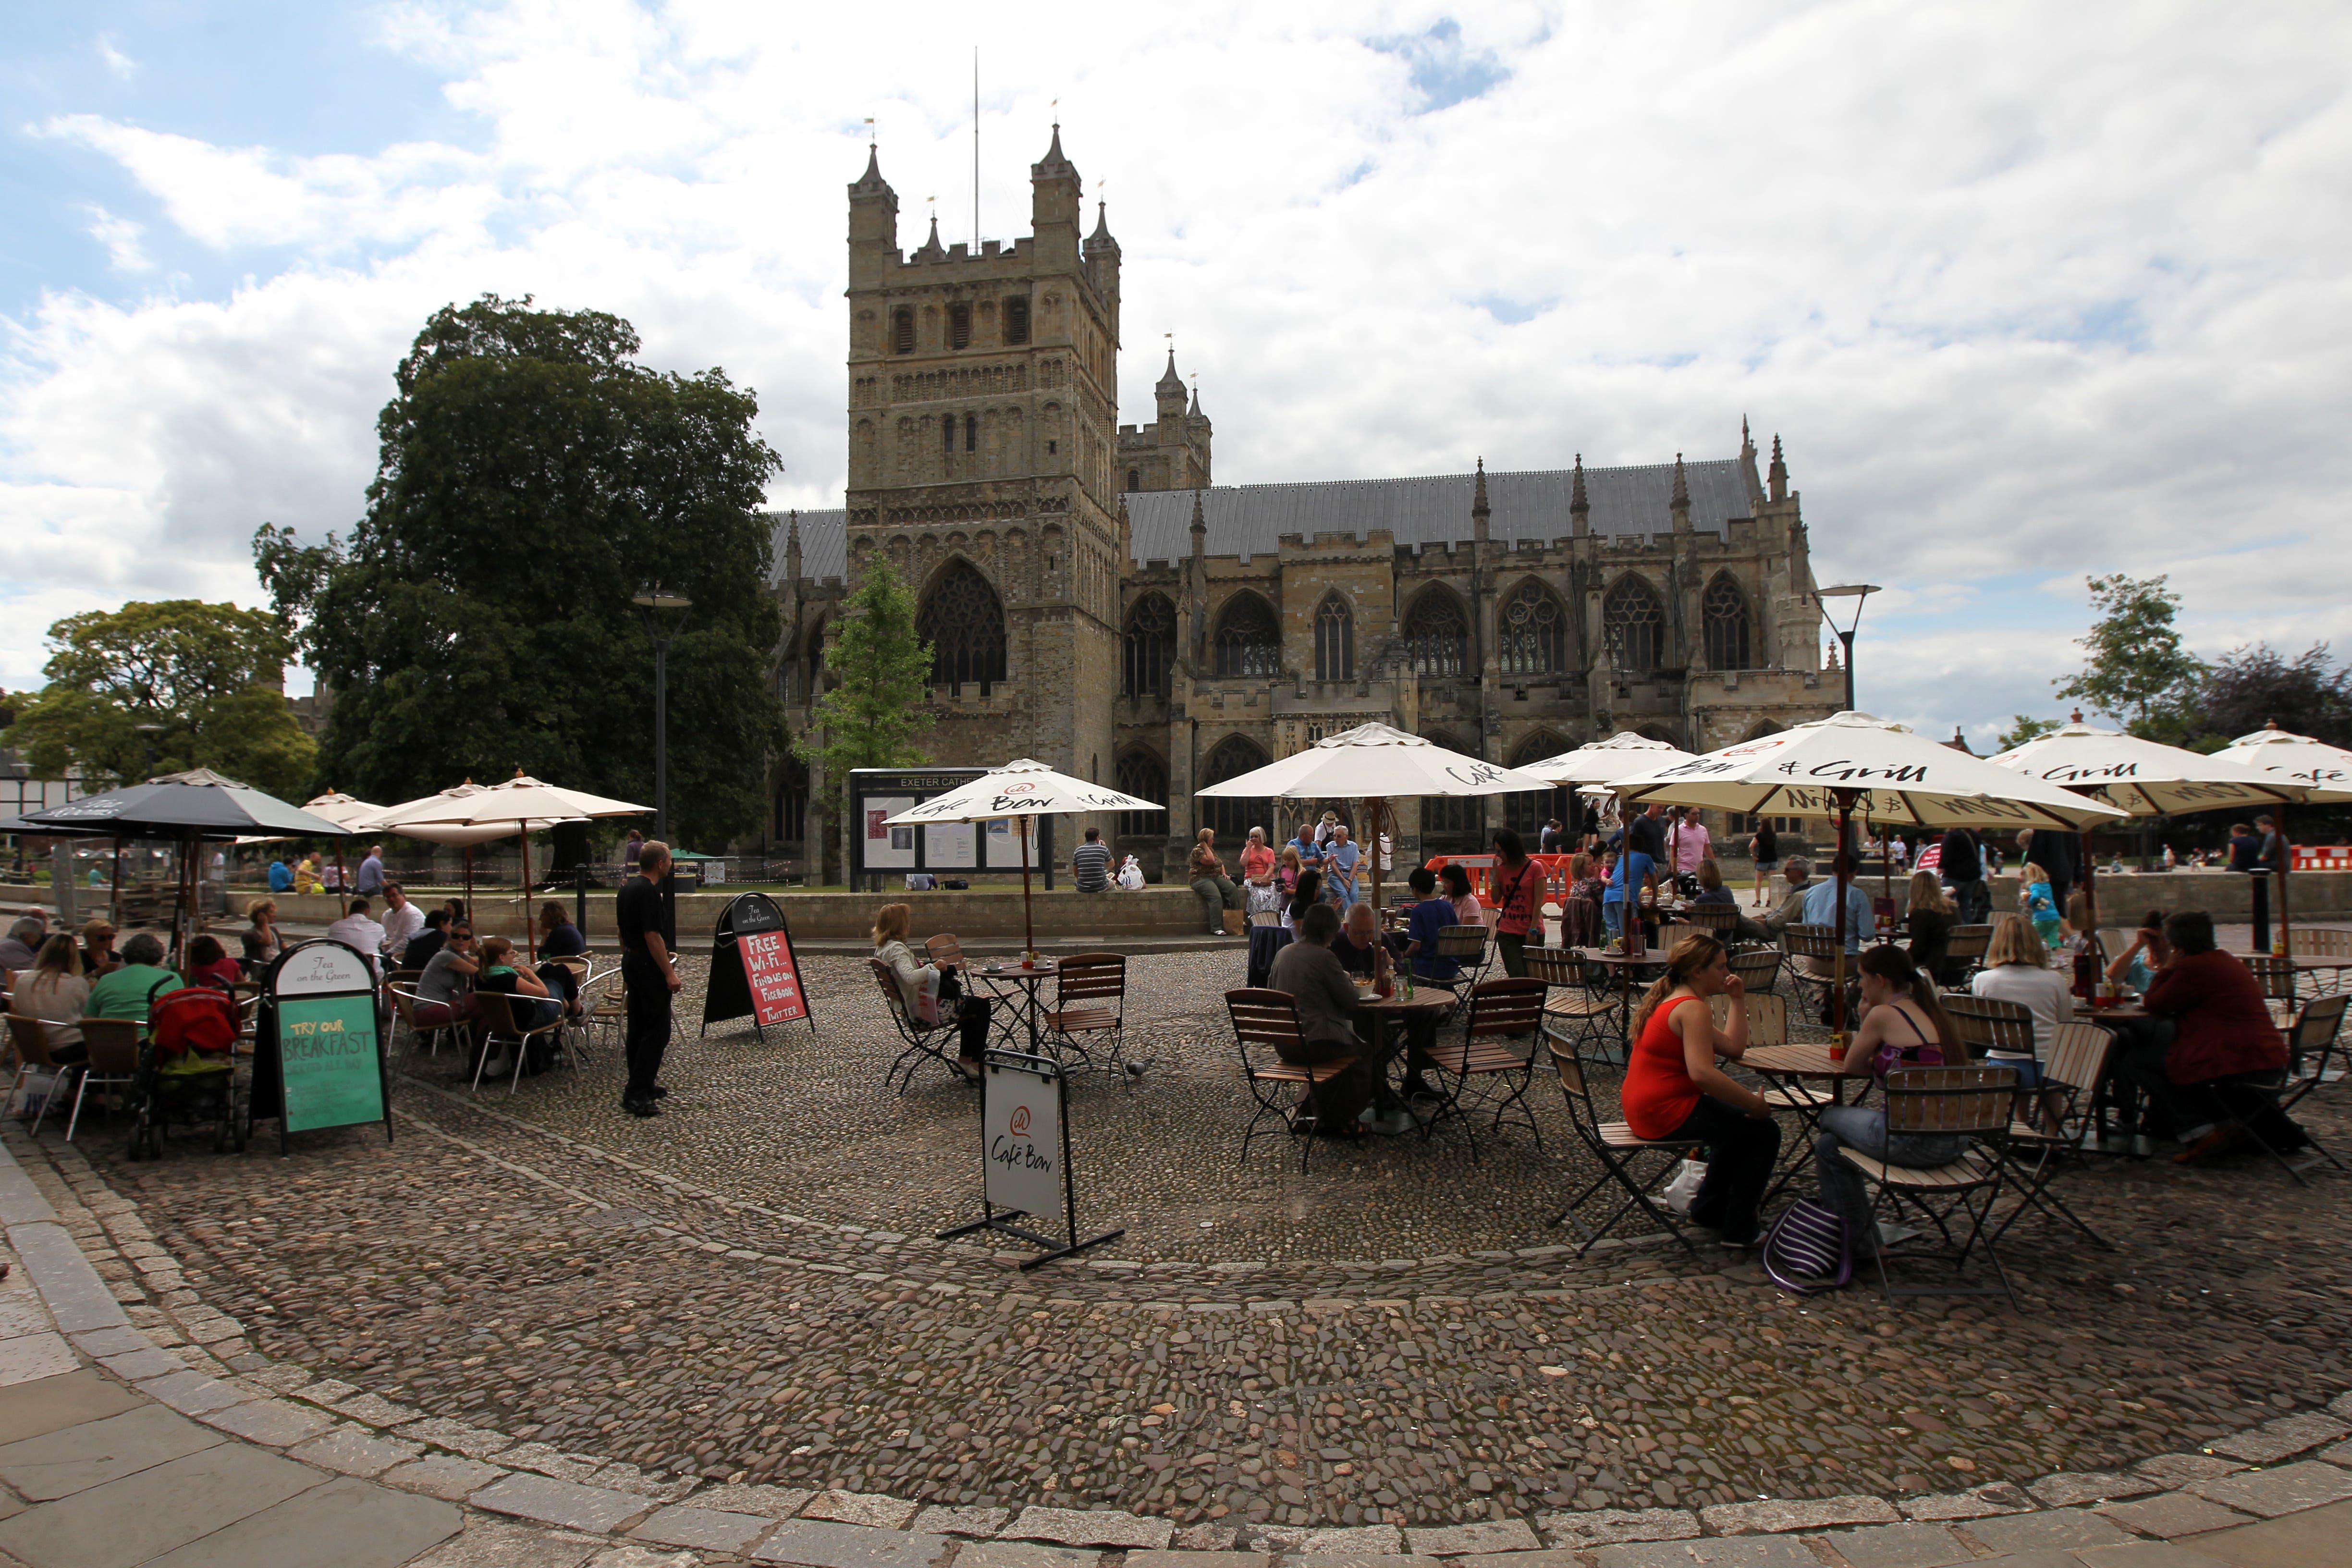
1768	1017
1620	1151
1758	968
499	1024
921	1040
2276	976
1498	1047
944	948
1818	944
1964	953
2311	1046
1973	1102
1573	1010
2323	942
1718	920
2077	1065
1090	1002
1472	947
1263	1022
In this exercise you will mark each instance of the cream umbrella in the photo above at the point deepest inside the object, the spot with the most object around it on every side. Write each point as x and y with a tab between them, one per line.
2321	772
522	804
2146	778
1593	766
1375	763
1849	760
1020	789
348	812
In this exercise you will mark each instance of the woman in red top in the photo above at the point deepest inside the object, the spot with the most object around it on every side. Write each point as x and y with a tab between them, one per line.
1674	1089
2224	1055
1517	887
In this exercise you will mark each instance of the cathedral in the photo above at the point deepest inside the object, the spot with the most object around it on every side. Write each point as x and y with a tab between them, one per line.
1098	602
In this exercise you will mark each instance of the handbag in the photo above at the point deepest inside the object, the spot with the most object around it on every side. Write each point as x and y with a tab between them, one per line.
1683	1186
1808	1250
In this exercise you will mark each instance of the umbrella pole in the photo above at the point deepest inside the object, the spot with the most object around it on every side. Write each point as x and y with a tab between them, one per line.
2287	859
1372	818
1028	931
2090	873
529	926
470	884
342	880
1838	915
114	890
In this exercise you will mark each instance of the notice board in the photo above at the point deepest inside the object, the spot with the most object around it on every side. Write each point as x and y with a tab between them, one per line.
880	856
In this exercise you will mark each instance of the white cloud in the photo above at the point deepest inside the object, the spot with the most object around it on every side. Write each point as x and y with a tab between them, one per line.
118	62
121	239
2032	292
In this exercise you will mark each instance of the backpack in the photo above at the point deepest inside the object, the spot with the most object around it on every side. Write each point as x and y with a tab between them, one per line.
1808	1250
194	1018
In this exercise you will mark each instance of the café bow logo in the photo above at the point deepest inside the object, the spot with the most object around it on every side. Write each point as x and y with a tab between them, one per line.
1019	788
1019	1126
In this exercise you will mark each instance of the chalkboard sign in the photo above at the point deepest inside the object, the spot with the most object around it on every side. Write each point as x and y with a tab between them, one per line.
754	971
319	1031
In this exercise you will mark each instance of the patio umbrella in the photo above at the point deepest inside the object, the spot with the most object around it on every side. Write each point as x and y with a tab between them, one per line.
2146	778
1833	765
1021	790
352	813
1375	763
522	804
1621	756
2321	773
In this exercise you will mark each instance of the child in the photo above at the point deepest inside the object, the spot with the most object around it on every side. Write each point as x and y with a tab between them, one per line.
2034	895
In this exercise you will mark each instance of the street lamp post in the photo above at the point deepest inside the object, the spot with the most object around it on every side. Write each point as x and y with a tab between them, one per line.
657	599
1857	592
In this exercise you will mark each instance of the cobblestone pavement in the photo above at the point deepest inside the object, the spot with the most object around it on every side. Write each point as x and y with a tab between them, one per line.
740	1291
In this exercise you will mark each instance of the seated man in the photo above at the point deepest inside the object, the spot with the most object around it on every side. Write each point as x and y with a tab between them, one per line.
1326	998
1359	951
1796	872
1820	908
2212	1080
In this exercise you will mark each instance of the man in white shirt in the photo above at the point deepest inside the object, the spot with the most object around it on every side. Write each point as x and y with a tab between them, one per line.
402	921
355	930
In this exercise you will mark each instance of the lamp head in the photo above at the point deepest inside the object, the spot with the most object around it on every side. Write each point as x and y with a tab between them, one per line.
660	598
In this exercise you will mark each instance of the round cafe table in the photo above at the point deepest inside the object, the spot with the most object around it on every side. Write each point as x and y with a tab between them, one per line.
1388	1114
1017	988
1795	1069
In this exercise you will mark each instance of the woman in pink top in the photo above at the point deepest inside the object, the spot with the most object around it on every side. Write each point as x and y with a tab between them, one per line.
1257	860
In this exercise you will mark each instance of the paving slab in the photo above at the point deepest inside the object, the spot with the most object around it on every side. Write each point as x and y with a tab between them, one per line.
368	1527
111	1342
2275	1440
2147	1555
495	1543
145	1515
445	1475
782	1502
819	1543
1191	1559
2315	1538
1717	1552
28	1357
1608	1526
273	1422
565	1503
474	1442
709	1529
77	1298
981	1522
642	1557
1901	1546
1406	1560
59	1464
29	1409
1103	1527
355	1452
2172	1515
1981	1502
2178	1470
1030	1554
191	1393
2068	1488
21	1202
874	1508
2053	1529
1781	1514
2289	1488
1339	1541
142	1363
1479	1537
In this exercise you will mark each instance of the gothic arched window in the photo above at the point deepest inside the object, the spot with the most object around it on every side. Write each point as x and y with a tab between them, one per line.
1454	817
1134	480
1232	819
1636	622
902	330
1436	638
1017	320
1142	776
1150	649
963	620
1526	813
1248	642
1725	610
1335	640
1533	631
960	325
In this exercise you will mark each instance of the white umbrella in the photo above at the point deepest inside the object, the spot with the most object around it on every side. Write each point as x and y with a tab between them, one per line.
471	814
2317	770
1019	789
1621	756
1374	763
1851	760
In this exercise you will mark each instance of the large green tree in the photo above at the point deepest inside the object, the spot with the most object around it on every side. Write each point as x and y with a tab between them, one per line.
532	478
869	717
180	683
2135	668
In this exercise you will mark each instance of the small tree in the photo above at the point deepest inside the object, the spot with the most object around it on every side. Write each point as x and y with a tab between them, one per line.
2135	669
2021	730
871	718
2252	686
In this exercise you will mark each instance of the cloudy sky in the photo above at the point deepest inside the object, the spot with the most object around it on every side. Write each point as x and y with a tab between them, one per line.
2031	291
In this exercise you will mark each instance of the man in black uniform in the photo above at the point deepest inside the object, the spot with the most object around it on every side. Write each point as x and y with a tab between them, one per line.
647	936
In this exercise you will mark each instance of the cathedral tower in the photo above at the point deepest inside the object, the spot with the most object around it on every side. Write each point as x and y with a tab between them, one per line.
983	436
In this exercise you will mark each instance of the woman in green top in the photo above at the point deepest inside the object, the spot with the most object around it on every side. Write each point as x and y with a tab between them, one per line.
532	1006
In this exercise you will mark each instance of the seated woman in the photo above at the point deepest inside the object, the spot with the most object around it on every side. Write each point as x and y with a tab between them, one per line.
2017	969
210	964
559	938
1206	872
1310	893
1454	882
260	939
444	990
1903	1026
1579	917
1711	889
532	1006
56	991
1932	917
426	943
931	992
2136	965
1257	860
1674	1089
2212	1081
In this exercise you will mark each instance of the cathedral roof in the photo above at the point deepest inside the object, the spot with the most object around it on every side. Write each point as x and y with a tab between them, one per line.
1429	509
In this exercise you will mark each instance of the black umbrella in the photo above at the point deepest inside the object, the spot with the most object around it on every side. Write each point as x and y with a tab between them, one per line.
199	804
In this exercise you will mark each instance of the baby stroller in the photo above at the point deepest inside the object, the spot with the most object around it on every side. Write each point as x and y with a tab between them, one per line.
187	1071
